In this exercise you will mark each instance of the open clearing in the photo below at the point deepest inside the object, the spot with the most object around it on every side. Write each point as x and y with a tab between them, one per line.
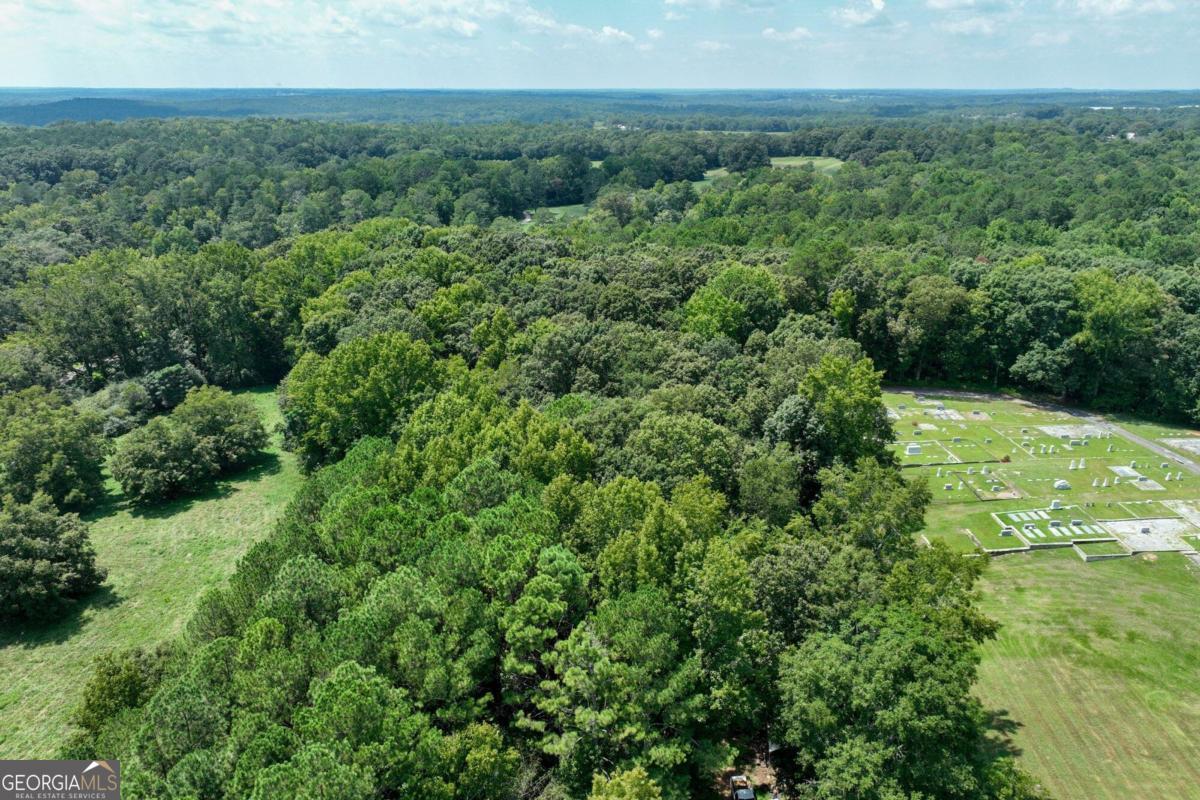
1096	665
999	467
1094	675
820	163
159	561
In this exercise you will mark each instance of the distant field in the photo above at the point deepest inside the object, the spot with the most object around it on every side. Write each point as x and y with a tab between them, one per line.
1097	666
159	560
1096	662
711	175
820	163
561	213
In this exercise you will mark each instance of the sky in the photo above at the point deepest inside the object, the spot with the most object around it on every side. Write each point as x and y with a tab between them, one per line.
986	44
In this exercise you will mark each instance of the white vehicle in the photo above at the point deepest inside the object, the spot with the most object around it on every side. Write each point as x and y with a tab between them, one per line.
740	788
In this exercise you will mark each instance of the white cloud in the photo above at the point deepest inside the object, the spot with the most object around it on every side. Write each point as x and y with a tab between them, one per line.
794	35
710	46
1120	8
717	5
280	23
861	12
11	14
654	33
610	34
974	5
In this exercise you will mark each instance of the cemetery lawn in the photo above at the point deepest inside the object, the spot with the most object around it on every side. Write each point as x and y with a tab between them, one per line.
159	560
1096	666
1095	673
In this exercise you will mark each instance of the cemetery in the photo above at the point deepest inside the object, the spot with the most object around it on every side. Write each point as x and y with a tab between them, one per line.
1009	475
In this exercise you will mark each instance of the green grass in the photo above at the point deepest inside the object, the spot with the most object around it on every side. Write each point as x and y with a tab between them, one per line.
820	163
1101	548
561	213
159	560
1094	672
710	176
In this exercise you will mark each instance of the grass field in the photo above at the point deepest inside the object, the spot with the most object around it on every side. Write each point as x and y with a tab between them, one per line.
820	163
1095	672
560	213
1096	665
986	459
711	175
159	560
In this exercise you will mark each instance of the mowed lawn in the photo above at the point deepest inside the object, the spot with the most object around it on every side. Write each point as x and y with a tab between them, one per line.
1098	666
159	561
823	164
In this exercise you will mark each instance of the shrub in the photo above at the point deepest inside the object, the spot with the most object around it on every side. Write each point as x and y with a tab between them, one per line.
226	424
124	405
46	560
121	406
161	460
169	386
210	432
46	445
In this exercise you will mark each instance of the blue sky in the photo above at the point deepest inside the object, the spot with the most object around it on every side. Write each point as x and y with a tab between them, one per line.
615	43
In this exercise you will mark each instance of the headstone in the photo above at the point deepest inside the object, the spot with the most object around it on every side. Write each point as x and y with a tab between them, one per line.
1055	504
1082	463
1072	464
1095	482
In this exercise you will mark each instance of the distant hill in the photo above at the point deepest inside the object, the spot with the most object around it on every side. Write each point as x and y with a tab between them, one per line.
87	109
750	109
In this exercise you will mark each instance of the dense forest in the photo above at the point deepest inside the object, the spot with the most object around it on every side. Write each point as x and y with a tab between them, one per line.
595	508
